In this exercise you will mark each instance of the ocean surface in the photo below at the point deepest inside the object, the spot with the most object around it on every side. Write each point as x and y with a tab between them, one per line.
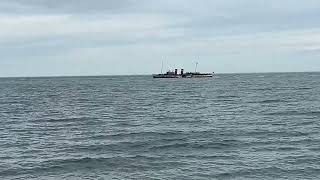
232	126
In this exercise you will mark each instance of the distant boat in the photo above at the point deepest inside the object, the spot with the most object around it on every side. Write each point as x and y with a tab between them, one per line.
171	74
174	74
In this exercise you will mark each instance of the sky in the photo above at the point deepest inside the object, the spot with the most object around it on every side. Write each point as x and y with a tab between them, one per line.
122	37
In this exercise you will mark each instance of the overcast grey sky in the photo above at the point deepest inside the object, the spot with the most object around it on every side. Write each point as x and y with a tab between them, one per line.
107	37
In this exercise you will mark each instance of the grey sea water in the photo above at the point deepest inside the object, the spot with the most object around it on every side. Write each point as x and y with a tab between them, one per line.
232	126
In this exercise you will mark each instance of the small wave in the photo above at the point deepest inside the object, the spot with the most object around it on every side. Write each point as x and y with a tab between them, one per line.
294	113
149	133
199	145
85	163
316	149
273	172
304	88
225	100
227	96
305	123
288	148
276	148
67	120
268	133
252	172
213	157
12	102
262	89
269	101
303	159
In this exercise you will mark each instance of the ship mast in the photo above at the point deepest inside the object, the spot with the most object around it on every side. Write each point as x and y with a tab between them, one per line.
195	70
161	66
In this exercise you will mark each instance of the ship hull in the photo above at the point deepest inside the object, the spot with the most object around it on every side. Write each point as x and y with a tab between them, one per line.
187	75
166	76
202	76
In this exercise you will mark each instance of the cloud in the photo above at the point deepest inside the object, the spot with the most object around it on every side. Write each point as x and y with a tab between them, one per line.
62	6
68	34
113	27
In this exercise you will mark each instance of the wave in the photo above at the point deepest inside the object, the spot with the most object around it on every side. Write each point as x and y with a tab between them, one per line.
66	120
304	88
276	148
227	96
226	144
294	113
79	164
269	101
273	172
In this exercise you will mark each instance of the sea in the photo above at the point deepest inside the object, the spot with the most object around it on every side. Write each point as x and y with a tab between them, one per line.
231	126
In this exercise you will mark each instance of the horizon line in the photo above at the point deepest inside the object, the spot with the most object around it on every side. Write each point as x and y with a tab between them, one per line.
105	75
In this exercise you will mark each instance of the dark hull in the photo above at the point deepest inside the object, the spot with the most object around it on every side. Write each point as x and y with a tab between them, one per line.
187	75
166	76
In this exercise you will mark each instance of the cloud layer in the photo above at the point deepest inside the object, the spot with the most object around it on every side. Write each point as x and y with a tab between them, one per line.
80	37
